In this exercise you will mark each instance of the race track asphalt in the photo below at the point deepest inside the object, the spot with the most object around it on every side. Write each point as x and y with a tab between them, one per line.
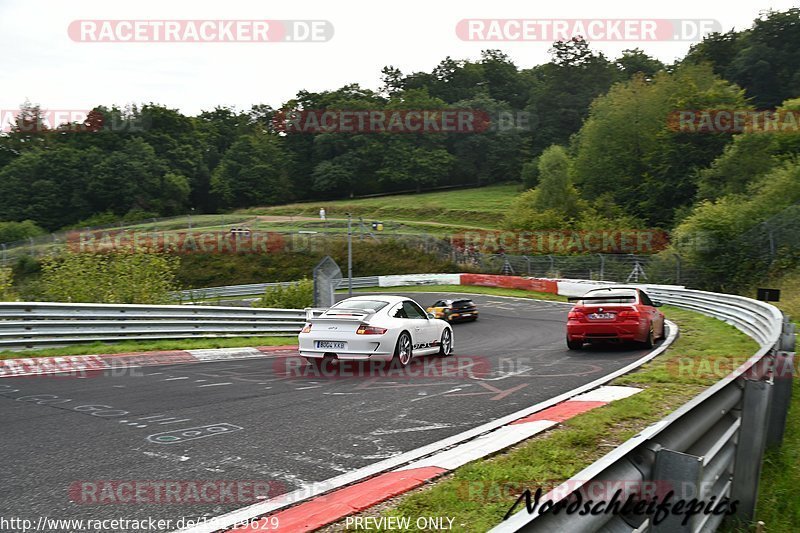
261	419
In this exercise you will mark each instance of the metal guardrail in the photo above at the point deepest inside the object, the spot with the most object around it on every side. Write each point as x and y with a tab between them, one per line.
710	447
33	324
257	289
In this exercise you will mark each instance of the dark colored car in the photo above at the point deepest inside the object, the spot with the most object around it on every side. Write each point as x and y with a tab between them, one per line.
614	314
454	310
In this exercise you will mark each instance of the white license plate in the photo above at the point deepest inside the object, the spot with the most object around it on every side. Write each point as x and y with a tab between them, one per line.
332	345
466	314
601	316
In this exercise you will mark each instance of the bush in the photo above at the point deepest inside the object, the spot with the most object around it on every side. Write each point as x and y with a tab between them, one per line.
295	296
119	278
6	283
17	231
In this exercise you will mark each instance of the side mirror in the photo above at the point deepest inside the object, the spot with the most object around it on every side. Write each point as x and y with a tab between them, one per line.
431	315
657	304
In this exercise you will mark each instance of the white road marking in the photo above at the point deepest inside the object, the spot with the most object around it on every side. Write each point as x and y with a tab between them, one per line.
410	430
173	379
174	421
438	394
214	385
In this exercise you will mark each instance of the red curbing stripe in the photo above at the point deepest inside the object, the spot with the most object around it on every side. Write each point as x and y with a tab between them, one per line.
561	412
323	510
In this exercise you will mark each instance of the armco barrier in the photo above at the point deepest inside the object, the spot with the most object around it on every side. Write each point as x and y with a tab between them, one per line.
32	324
709	449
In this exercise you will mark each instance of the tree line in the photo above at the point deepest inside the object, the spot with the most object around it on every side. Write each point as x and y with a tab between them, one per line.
597	150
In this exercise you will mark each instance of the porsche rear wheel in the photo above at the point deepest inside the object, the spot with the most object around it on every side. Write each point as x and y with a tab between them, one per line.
403	352
446	345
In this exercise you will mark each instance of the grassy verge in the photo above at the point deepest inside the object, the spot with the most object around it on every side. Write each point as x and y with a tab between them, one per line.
778	506
150	346
495	291
477	495
482	207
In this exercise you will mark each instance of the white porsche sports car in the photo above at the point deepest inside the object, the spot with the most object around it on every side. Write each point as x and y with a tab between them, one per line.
383	328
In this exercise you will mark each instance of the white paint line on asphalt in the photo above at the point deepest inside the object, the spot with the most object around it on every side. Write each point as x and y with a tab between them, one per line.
174	421
174	379
483	445
606	394
437	394
315	489
214	385
378	432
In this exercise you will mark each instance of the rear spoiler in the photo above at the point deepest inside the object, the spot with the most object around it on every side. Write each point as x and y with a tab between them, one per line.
313	315
605	297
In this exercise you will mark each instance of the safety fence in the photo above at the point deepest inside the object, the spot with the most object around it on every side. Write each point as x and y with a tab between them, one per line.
36	324
707	452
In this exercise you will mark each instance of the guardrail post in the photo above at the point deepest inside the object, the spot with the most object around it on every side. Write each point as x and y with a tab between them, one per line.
782	375
787	343
750	448
678	472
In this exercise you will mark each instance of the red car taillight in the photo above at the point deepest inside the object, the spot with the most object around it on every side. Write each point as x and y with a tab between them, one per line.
575	315
629	314
306	329
364	329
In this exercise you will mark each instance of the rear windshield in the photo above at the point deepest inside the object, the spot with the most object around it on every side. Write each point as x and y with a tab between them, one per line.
597	298
365	305
463	303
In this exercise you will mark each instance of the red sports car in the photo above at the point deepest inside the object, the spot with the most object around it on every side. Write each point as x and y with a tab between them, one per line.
614	314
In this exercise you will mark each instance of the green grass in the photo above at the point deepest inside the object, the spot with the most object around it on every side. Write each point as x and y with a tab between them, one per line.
478	494
478	208
150	346
778	503
469	289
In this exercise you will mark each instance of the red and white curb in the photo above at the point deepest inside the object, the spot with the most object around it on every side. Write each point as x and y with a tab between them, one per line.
79	364
318	512
326	502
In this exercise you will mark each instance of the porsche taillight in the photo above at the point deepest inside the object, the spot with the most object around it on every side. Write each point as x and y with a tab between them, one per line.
365	329
306	329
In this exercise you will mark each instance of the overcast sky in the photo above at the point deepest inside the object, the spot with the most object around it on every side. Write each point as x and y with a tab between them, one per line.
41	63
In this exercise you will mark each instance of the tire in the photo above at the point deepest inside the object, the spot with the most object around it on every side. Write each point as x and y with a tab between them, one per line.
446	348
574	345
403	350
650	341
